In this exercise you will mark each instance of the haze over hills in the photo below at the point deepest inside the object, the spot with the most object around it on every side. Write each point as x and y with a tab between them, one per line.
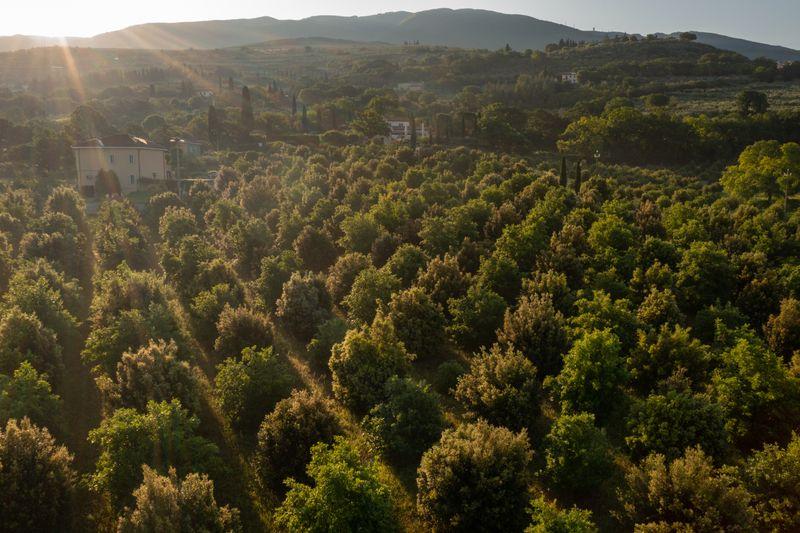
466	28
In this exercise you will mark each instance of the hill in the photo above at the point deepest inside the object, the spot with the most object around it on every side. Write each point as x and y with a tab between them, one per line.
466	28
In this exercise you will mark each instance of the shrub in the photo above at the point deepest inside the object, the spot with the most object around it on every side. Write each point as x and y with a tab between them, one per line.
537	330
343	274
24	338
546	517
27	394
371	288
476	317
315	249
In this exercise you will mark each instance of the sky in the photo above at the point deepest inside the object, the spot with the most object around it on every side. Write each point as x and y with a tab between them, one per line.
768	21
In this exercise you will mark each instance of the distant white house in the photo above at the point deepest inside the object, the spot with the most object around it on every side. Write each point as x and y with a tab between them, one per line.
411	86
400	129
206	94
132	159
569	77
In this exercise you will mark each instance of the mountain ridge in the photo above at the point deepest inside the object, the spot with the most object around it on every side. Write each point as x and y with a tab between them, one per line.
464	28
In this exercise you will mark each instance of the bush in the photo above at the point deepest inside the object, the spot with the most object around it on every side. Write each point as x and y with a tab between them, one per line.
363	362
173	504
577	454
782	331
501	386
315	248
347	495
287	435
304	305
773	477
418	321
37	482
443	280
408	422
474	480
546	517
241	328
249	387
406	263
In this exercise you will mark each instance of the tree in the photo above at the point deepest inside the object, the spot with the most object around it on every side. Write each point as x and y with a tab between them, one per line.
673	420
24	338
304	305
250	386
782	331
155	373
37	481
538	331
476	317
501	386
163	437
364	361
578	177
406	263
752	103
315	249
214	126
578	456
287	435
246	120
241	328
371	289
665	352
705	275
474	479
329	333
418	322
547	517
766	167
173	504
343	274
688	36
27	394
443	279
275	272
593	375
687	494
407	422
106	183
346	495
772	476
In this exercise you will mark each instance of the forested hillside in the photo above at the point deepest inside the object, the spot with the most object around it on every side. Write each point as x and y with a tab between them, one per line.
571	307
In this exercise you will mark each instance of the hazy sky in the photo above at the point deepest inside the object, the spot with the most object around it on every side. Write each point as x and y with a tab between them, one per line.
770	21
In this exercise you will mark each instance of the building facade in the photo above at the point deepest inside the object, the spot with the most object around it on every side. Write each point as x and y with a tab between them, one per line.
400	130
134	160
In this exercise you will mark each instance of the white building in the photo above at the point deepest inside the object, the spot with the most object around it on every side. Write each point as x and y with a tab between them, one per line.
400	130
569	77
132	159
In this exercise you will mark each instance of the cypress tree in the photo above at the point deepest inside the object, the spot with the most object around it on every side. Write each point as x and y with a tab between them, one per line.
413	125
247	119
578	177
294	105
563	180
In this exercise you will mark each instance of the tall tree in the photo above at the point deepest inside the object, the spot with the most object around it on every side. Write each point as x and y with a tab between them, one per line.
247	110
564	176
213	126
578	177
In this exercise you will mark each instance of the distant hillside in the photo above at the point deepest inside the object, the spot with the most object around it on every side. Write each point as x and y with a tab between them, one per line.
466	28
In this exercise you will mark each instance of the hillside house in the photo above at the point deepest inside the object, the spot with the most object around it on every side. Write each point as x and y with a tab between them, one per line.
400	130
569	77
134	160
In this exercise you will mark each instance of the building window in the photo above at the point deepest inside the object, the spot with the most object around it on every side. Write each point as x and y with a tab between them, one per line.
130	158
133	179
111	159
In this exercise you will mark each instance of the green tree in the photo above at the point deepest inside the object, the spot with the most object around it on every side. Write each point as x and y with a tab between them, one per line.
407	422
287	435
304	305
474	479
371	289
246	119
241	328
27	394
163	437
752	103
547	517
537	330
593	375
346	495
172	504
418	322
578	456
773	477
501	386
250	386
476	317
37	481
